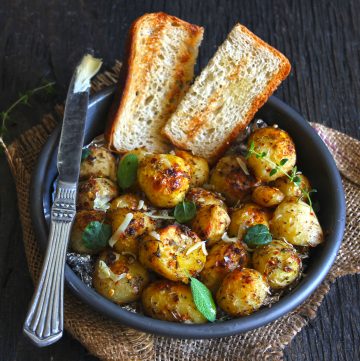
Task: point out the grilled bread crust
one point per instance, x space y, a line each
158 70
224 98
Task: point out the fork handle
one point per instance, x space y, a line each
44 321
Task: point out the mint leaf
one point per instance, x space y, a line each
203 299
96 234
185 211
127 171
257 235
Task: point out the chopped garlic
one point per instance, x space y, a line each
155 235
195 246
140 205
226 238
121 229
242 165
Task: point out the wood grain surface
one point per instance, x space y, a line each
44 39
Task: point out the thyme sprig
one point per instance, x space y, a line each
293 175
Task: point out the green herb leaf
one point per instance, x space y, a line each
127 171
85 153
250 150
257 235
297 180
283 161
203 299
96 234
273 171
185 211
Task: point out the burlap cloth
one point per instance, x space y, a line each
109 340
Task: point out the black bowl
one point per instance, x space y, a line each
314 160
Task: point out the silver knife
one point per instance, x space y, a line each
44 321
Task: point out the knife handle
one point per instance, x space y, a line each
44 321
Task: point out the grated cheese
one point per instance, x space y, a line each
243 166
155 235
121 229
203 247
106 272
226 238
101 203
158 216
195 246
140 205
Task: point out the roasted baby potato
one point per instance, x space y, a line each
222 259
289 188
248 215
296 222
231 178
175 252
199 167
120 278
96 193
82 220
279 262
277 145
128 240
267 196
210 223
128 200
170 301
164 178
202 197
242 292
99 163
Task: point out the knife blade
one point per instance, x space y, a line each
44 321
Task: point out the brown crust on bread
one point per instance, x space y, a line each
127 70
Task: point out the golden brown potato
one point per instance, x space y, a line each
199 167
279 262
210 223
128 240
170 301
120 278
164 178
267 196
297 223
202 197
99 163
222 259
242 292
229 178
289 188
278 145
248 215
174 252
96 193
82 220
128 200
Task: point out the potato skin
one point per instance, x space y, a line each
242 292
170 301
128 200
222 259
297 223
248 215
164 178
167 256
289 188
82 219
100 163
128 241
278 145
267 196
125 290
202 197
279 262
95 191
210 223
229 179
199 167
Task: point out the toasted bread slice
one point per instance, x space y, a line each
224 98
159 69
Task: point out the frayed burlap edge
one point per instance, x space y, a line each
109 340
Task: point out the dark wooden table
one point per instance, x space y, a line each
44 39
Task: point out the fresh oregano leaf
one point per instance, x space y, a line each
127 171
273 171
185 211
297 181
257 235
96 235
250 150
85 153
283 161
203 299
